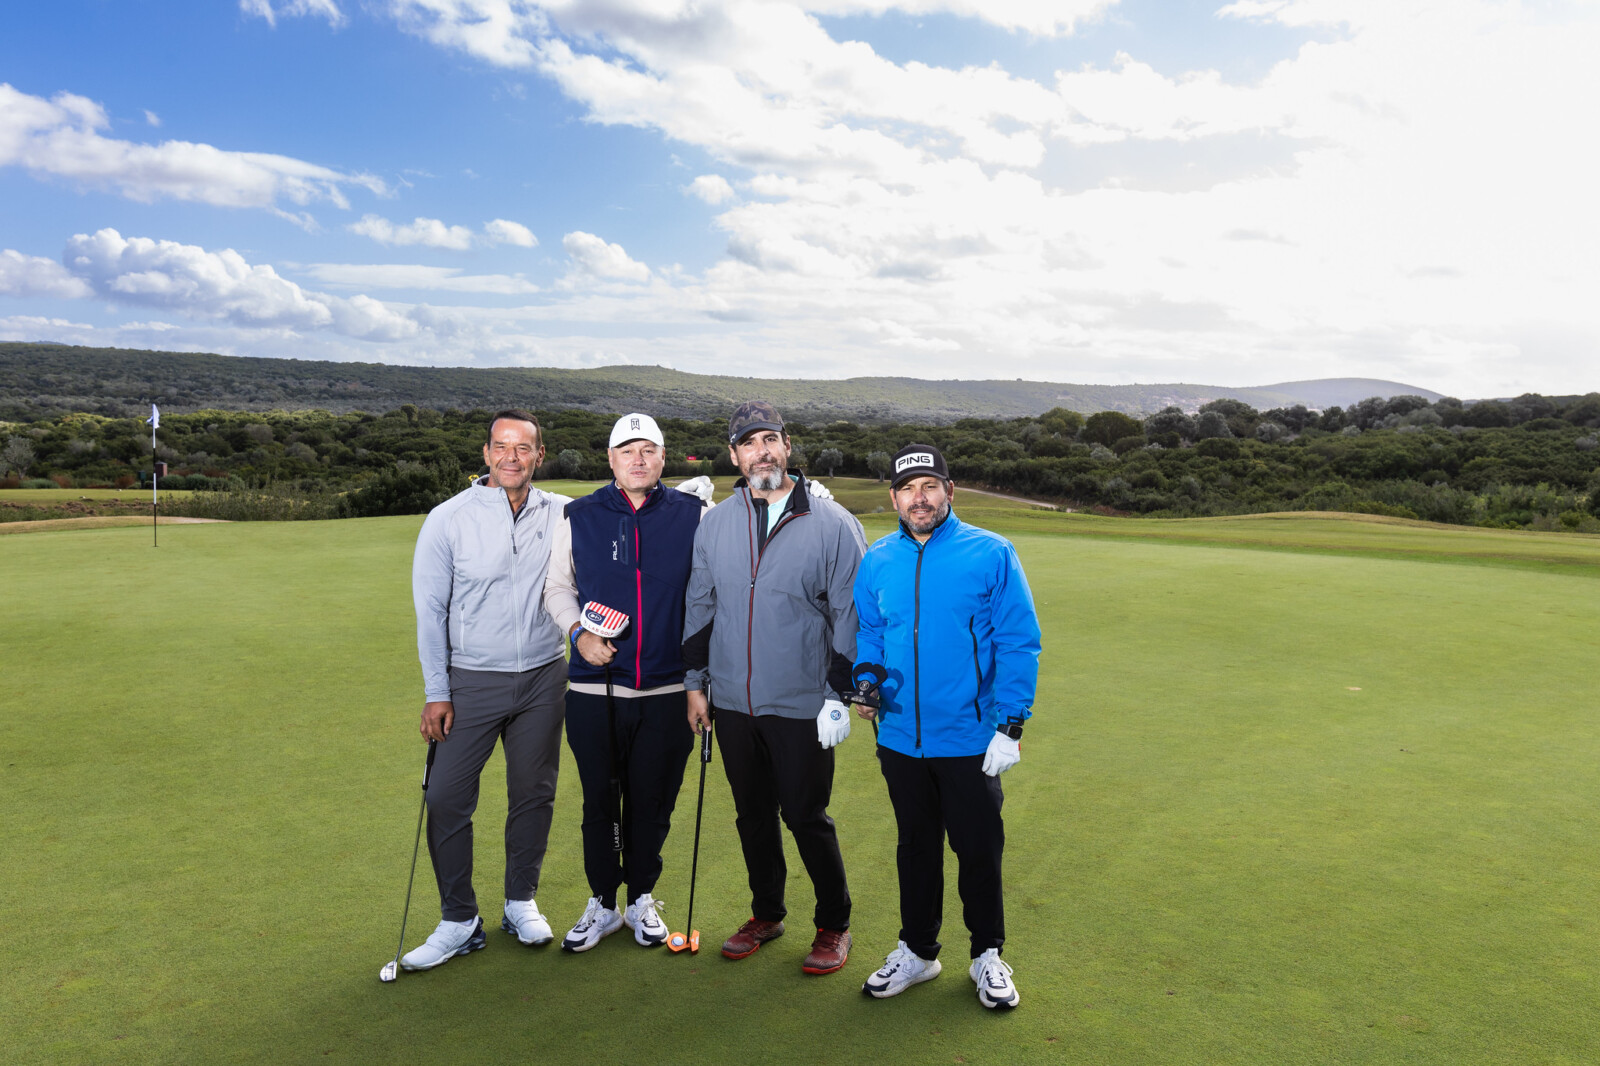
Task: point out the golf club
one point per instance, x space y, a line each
391 969
605 623
678 941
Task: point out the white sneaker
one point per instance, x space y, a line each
448 941
993 977
523 918
648 928
598 921
899 972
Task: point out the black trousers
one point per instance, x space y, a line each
653 744
522 712
776 767
931 797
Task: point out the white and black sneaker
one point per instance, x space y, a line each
900 971
598 922
993 978
523 920
448 940
648 928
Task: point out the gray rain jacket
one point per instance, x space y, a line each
773 629
477 580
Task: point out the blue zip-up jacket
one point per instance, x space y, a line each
952 622
636 562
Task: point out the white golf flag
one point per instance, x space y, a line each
155 417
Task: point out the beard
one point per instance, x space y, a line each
771 482
928 523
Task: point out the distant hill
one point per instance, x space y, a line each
41 380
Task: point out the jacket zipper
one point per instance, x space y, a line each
977 670
750 613
916 649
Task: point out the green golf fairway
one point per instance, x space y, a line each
1333 802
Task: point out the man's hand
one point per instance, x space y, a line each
818 490
833 723
863 711
699 712
1003 754
596 651
437 717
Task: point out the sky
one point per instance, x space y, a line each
1088 191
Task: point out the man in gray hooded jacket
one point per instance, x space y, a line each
492 670
770 629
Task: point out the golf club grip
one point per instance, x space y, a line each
705 745
427 769
616 815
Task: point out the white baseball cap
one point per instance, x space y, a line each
636 427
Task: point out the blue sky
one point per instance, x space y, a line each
1073 190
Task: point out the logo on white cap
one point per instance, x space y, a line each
906 462
636 427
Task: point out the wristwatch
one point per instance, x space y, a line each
1010 729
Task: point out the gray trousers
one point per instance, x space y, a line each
524 712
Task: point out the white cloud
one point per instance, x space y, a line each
432 233
264 9
221 285
501 231
499 32
61 138
712 188
408 276
428 232
32 275
151 118
592 255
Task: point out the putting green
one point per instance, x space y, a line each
1276 806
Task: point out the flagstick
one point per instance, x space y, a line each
155 498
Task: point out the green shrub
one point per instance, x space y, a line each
39 483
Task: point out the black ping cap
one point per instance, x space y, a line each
918 460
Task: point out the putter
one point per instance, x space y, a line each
868 676
391 970
605 623
678 941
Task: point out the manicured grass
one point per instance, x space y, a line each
1277 806
41 497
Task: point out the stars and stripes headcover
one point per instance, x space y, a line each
603 621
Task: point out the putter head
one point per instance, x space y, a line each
604 622
694 941
677 942
389 972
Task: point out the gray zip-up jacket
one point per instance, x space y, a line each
478 580
773 627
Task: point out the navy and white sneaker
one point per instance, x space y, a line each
448 940
902 969
598 922
648 928
522 919
993 978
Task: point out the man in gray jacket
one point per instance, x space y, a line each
492 669
770 630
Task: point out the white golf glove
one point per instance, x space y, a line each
818 490
833 724
699 486
1003 754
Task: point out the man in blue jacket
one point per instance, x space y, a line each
491 672
628 546
946 615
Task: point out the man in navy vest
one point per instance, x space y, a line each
628 546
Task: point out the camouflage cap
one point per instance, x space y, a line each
751 416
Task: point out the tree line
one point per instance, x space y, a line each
1527 463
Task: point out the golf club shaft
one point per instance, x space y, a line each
616 776
427 772
699 806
